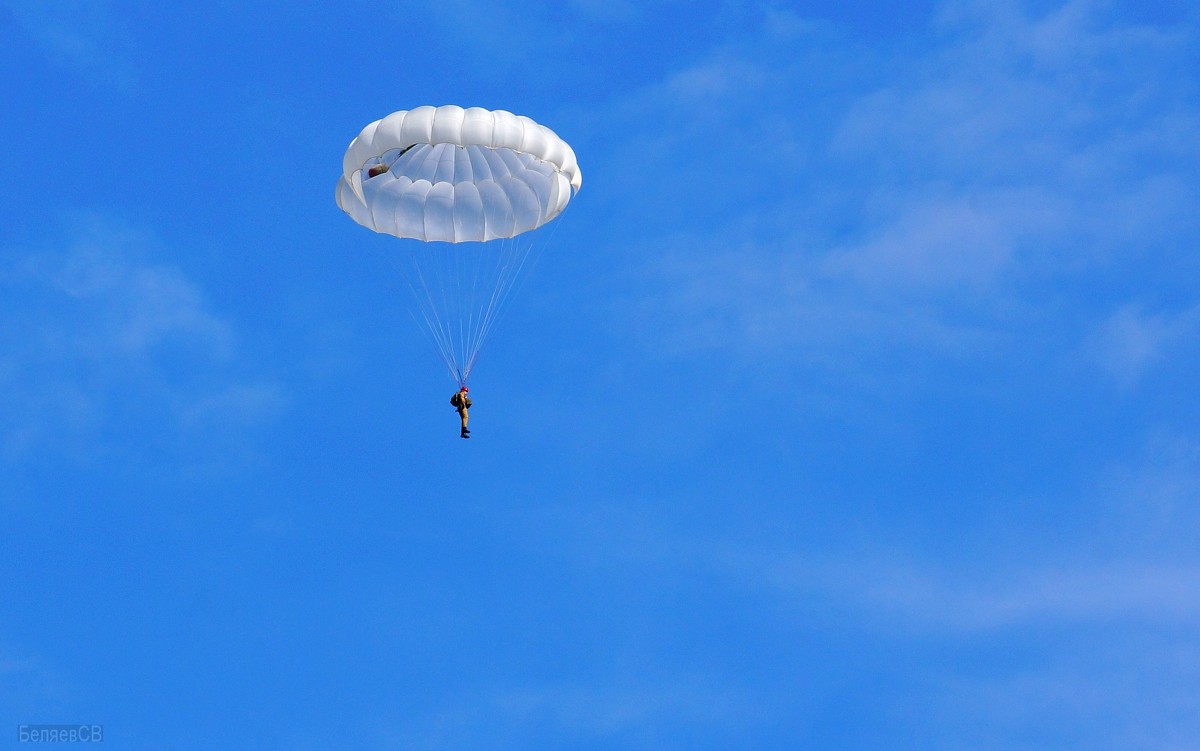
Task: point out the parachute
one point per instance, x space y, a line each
460 186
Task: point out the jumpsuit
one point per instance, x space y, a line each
462 403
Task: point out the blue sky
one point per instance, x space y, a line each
852 404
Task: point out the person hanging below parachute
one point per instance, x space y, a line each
461 403
460 185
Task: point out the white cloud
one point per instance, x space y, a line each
1131 342
99 340
1116 553
81 34
241 402
629 708
1151 503
908 597
607 10
1079 611
28 684
934 200
608 710
933 243
1115 694
715 79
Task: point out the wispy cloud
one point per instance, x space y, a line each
1150 502
500 36
946 195
99 340
81 34
1132 341
27 684
894 595
1116 552
1093 631
635 711
1114 694
613 710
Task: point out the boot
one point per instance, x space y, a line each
463 434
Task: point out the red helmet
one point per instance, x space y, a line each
464 388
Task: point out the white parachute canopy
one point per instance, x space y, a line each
466 177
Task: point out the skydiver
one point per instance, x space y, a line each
462 403
376 171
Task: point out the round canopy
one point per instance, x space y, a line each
454 175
